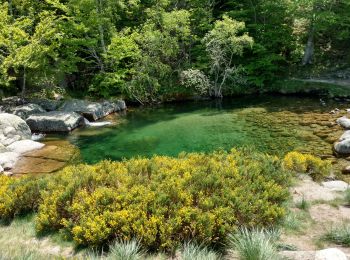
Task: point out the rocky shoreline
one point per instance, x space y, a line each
21 118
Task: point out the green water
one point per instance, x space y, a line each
271 124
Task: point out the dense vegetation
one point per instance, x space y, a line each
155 50
162 202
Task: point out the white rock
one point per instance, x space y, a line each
336 185
344 122
1 169
330 254
8 159
12 128
345 136
24 146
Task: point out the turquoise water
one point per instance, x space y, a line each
267 123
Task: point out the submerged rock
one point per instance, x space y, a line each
53 157
55 121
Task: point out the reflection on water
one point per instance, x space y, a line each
270 124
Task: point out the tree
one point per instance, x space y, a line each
224 43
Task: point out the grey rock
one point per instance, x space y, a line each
55 121
342 147
90 110
344 122
47 104
24 146
345 136
336 185
330 254
12 129
13 101
25 111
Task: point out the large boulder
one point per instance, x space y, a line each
55 121
24 146
24 111
342 147
330 254
47 104
92 110
12 129
344 122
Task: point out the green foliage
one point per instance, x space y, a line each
255 244
191 251
339 235
317 168
160 201
303 204
126 250
347 197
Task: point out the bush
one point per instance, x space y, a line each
164 201
256 244
161 201
306 163
19 196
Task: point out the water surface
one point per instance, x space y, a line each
271 124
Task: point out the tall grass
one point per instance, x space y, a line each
339 235
126 250
192 251
255 244
347 197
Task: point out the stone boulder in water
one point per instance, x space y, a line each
92 110
55 121
24 111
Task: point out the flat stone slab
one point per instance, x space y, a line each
32 165
24 146
55 121
53 157
336 185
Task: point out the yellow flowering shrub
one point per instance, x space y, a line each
307 163
18 196
161 201
164 201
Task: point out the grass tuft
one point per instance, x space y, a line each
339 235
303 204
347 197
255 244
191 251
126 250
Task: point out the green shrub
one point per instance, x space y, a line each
164 201
19 196
306 163
161 201
255 244
339 235
191 251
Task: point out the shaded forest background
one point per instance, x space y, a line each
156 50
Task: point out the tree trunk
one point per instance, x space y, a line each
100 27
10 7
309 48
24 82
